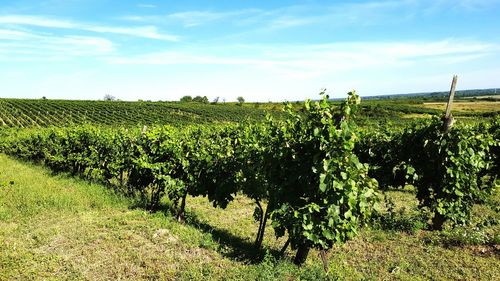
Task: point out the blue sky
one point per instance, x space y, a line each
261 50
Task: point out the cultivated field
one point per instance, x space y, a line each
381 190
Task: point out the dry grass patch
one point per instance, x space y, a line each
473 106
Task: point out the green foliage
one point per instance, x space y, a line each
149 164
323 192
382 150
108 97
186 99
447 169
201 99
483 233
398 220
448 165
319 197
494 171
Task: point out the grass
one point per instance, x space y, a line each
55 227
469 106
488 97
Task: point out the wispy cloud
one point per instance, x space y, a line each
376 12
283 17
27 46
8 34
349 50
193 18
36 21
287 22
149 32
147 6
459 5
315 60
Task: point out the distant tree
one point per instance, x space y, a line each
201 99
44 98
108 97
186 99
224 100
216 100
241 100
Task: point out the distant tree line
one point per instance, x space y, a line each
201 99
204 99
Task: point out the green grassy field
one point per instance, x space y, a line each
56 227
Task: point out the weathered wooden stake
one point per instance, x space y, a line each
438 219
448 118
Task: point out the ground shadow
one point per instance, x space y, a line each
228 245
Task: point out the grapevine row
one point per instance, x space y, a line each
450 170
307 173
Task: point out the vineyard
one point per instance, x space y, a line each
24 113
29 113
313 174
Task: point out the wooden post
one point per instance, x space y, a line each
448 118
438 219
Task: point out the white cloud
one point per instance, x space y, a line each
285 17
286 22
27 46
193 18
148 6
80 45
9 34
314 60
36 21
362 13
149 32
